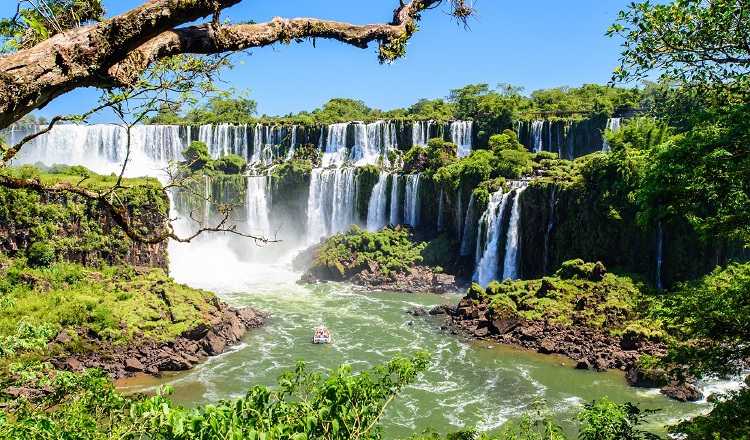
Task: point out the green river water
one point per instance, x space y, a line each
468 383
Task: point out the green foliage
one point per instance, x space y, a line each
701 176
389 249
538 424
426 110
196 155
115 303
33 25
223 109
729 419
580 293
711 319
306 405
230 164
343 110
695 43
600 100
40 254
605 420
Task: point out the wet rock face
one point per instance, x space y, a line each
684 392
225 327
418 279
592 349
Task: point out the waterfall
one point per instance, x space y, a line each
331 202
537 144
266 143
569 138
395 215
550 225
102 147
335 152
468 238
461 132
613 125
223 139
293 143
376 215
206 200
491 224
441 208
411 202
459 213
659 255
420 133
257 205
510 266
373 142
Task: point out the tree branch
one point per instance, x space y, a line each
116 51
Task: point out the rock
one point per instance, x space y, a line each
133 365
547 346
197 333
639 378
482 332
213 344
174 363
505 325
417 311
684 392
62 337
583 365
73 365
600 364
747 381
307 278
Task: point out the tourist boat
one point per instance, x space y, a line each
322 336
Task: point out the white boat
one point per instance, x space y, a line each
322 336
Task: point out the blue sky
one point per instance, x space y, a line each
534 44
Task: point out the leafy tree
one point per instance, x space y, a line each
696 43
343 110
230 164
196 155
223 109
436 109
605 420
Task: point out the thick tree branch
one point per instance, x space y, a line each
115 51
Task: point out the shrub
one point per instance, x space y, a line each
230 164
40 254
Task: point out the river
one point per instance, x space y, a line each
468 383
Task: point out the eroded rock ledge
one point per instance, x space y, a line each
225 327
590 348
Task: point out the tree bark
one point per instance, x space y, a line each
116 51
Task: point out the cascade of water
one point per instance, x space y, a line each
659 255
537 144
613 125
293 143
373 142
549 135
459 213
411 201
518 130
395 215
461 133
510 266
491 224
550 225
420 134
224 139
569 137
335 152
206 200
266 143
102 147
257 205
441 208
331 203
376 215
468 238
